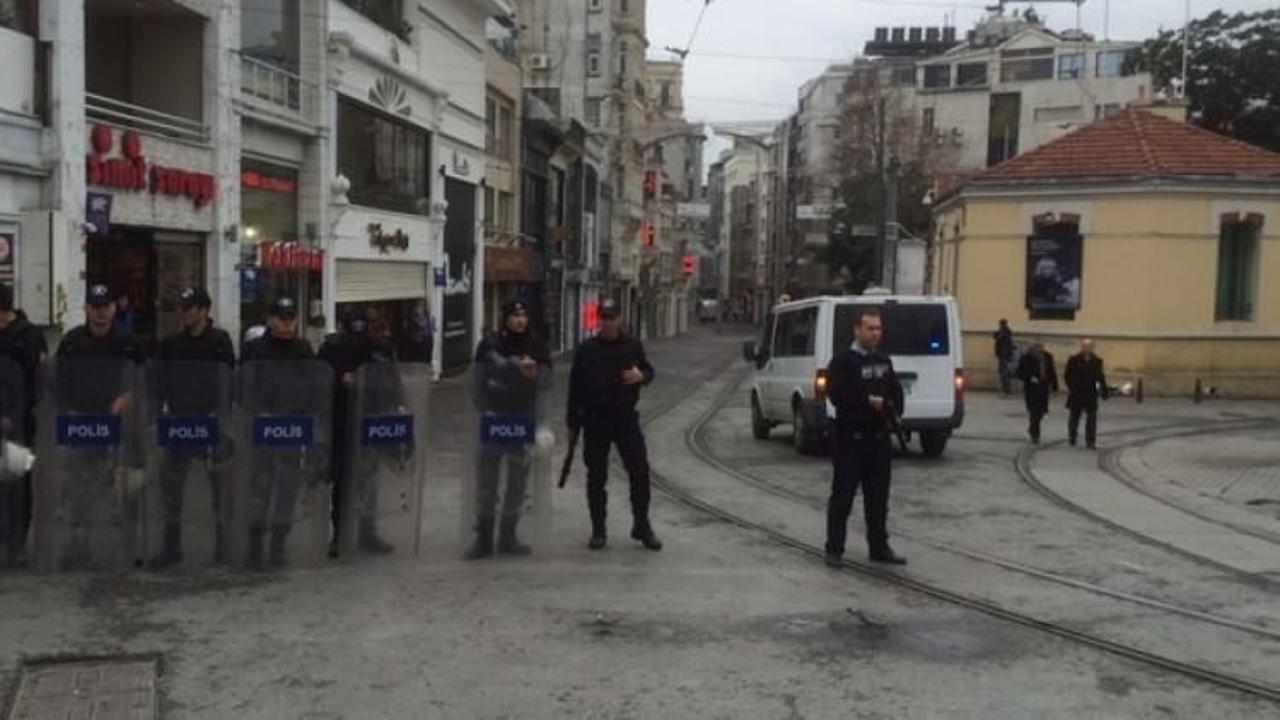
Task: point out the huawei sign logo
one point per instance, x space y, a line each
130 171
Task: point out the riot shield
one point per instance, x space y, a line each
16 459
191 449
507 492
384 459
90 476
280 500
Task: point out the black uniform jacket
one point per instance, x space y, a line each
193 374
499 384
279 390
87 379
852 377
595 381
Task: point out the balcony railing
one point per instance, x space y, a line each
119 112
277 88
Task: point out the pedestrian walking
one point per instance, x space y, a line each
604 387
1004 354
1086 383
511 368
278 473
93 378
346 352
194 375
1039 381
22 348
865 391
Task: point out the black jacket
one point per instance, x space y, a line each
94 370
499 386
1004 343
347 353
595 381
273 384
1035 391
194 371
852 377
23 345
1086 381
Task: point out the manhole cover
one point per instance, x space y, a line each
93 689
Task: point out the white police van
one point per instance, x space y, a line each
921 336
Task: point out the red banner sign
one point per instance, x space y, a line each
288 255
131 171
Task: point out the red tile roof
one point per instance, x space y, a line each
1137 144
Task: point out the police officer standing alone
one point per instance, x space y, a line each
194 375
346 352
512 366
867 396
1039 381
277 474
604 387
23 345
1086 382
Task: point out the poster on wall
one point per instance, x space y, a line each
1054 268
459 248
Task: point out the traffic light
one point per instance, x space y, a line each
650 184
648 233
689 264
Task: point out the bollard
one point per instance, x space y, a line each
1199 397
1139 395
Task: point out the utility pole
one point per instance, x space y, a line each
882 213
889 272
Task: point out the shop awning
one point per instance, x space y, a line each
370 280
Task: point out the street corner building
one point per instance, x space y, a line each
1160 239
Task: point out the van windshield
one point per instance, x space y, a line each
909 329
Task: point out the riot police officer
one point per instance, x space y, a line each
511 368
346 351
604 387
22 345
193 373
278 475
99 339
865 391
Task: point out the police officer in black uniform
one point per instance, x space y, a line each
346 351
81 391
604 387
511 368
23 345
193 376
278 473
866 393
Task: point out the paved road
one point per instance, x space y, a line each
723 623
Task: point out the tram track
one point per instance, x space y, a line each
692 437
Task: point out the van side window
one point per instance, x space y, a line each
804 331
782 334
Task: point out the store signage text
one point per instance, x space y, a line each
259 181
384 241
131 171
289 255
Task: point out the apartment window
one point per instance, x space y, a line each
499 127
625 8
622 54
19 15
664 96
927 121
1238 267
971 74
490 209
269 31
593 111
1026 65
595 5
937 76
1111 63
387 13
905 76
1071 67
593 64
386 160
505 203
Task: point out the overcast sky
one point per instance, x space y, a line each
750 56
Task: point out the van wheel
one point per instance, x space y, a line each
802 435
933 443
759 426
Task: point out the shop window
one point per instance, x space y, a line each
387 161
1071 67
971 74
1025 65
1237 267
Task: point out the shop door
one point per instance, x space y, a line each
179 264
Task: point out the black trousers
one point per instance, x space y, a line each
1037 408
602 429
863 462
1090 411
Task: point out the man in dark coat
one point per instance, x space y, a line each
1086 382
1039 381
1004 354
22 345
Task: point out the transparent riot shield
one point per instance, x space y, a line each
16 459
90 472
279 514
507 492
192 450
384 460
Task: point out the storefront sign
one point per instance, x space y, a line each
509 264
1054 264
131 171
384 241
281 255
97 212
262 181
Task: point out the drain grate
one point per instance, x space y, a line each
87 689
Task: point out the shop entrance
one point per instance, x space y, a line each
146 269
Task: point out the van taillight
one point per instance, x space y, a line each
820 385
959 383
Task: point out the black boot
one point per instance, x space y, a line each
254 560
369 540
279 534
644 533
507 541
171 550
483 547
885 555
599 536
